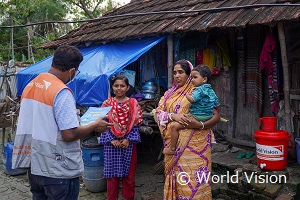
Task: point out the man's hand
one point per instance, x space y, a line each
102 125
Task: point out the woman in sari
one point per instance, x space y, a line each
185 171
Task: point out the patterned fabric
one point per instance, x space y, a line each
194 148
209 57
117 160
268 58
205 99
266 54
124 116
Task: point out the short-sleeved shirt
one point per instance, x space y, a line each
65 110
205 99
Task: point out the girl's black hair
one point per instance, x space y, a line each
120 77
184 65
203 70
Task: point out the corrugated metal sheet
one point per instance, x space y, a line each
231 13
9 84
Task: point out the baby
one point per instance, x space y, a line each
203 100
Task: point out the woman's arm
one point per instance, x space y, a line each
209 123
161 116
190 122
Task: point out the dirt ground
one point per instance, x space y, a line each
149 185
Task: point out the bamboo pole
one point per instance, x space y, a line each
170 60
286 78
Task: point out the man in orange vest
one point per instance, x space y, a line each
48 134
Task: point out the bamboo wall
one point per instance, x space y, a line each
221 86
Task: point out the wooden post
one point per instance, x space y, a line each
170 60
233 86
286 78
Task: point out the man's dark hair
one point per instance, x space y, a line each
203 70
66 57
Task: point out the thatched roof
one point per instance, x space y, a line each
143 18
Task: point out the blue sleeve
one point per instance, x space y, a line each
65 110
106 137
197 94
217 103
216 99
134 135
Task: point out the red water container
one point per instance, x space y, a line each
270 123
271 145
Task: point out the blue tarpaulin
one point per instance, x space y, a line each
90 87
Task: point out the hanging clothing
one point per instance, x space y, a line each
268 60
221 41
209 57
199 57
266 54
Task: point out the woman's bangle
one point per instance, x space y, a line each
170 116
202 125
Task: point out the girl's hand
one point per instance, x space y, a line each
116 143
124 143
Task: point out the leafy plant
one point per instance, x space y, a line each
26 40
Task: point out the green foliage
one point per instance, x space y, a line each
30 11
85 8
